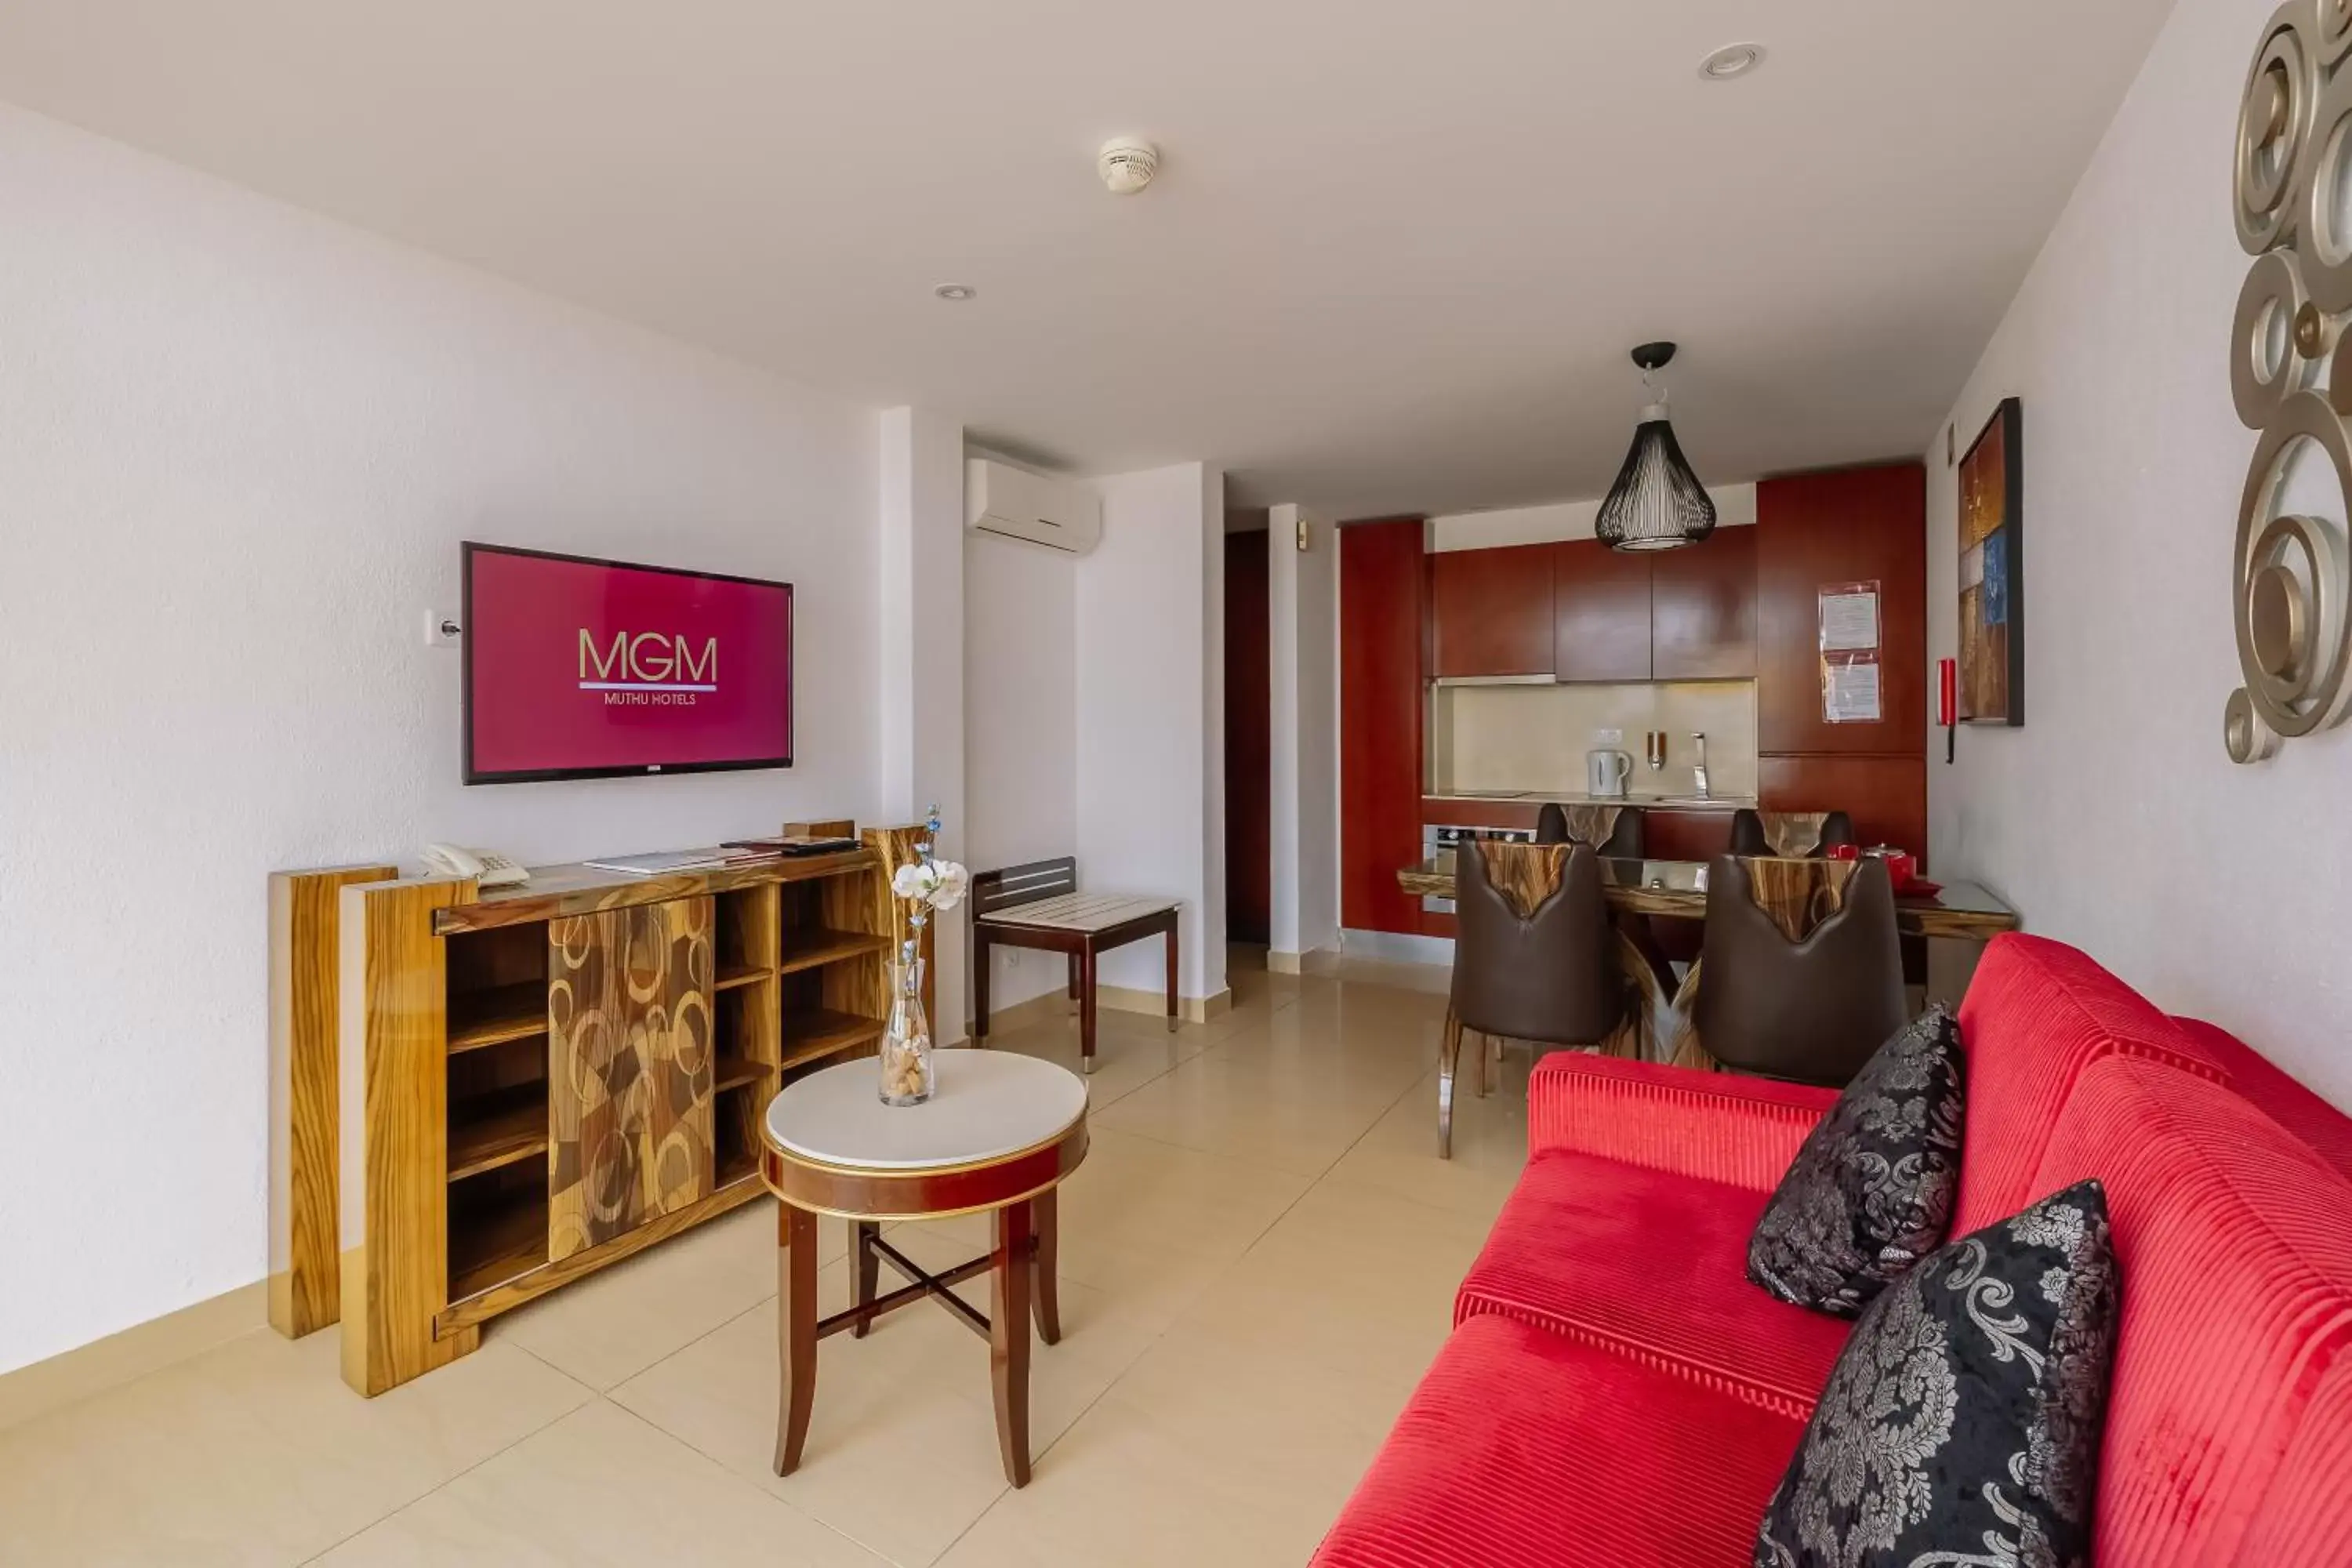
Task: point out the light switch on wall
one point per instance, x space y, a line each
1607 737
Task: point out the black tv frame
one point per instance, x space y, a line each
647 770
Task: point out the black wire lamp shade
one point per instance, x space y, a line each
1657 503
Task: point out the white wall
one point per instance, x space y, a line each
1148 641
1304 622
241 447
918 621
2113 819
1021 726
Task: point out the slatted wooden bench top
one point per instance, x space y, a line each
1080 911
1038 905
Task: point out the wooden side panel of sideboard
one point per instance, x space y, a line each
305 969
394 1085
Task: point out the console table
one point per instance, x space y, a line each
480 1096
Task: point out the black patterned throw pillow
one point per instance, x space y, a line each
1871 1192
1960 1426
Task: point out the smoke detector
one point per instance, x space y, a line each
1126 164
1731 60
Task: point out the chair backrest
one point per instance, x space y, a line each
1808 989
1025 884
1788 832
1613 830
1532 951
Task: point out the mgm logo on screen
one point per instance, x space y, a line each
647 669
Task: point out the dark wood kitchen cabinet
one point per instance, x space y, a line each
1703 609
1384 642
1818 531
1815 531
1490 611
1886 796
1601 612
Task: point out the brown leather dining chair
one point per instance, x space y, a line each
1534 956
1806 988
1620 839
1796 833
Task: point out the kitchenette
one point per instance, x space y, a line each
1499 750
1481 682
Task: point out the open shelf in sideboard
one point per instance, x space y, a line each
497 1128
816 947
498 1228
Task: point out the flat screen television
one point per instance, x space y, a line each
580 668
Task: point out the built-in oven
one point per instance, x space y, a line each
1436 840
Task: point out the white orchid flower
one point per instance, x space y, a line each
934 884
953 882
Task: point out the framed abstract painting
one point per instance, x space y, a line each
1992 605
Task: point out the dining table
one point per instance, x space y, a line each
1676 890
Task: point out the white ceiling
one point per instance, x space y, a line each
1392 262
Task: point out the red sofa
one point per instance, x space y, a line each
1616 1392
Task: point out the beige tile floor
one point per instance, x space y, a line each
1258 1259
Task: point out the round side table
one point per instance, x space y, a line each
998 1136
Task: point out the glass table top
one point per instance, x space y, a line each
1690 877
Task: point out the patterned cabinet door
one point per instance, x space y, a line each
628 1069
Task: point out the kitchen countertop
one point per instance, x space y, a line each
1543 797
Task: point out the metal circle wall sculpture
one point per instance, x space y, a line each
2291 378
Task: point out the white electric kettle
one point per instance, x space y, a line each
1605 773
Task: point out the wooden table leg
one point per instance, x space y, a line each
1073 980
1449 1057
1087 1008
795 1332
982 952
868 1266
1173 968
1044 1260
1008 1335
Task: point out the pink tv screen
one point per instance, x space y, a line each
582 669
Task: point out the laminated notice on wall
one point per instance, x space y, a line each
1849 692
1850 618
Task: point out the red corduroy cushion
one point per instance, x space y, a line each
1716 1125
1523 1449
2306 1515
2277 1094
2235 1245
2036 1015
1654 1266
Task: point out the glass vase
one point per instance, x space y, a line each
907 1074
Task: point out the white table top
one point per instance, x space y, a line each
988 1103
1080 911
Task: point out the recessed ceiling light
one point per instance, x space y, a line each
1731 60
956 293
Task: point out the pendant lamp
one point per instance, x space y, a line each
1657 503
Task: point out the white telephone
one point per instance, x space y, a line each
487 866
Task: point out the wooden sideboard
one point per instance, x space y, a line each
480 1096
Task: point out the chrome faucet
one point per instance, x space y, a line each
1698 770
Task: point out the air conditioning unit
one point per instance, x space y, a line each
1060 514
